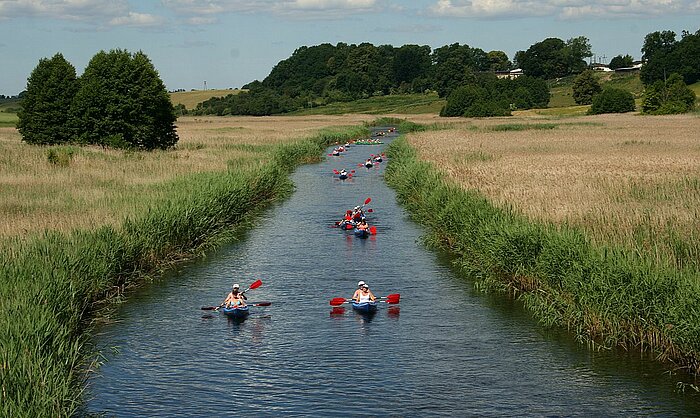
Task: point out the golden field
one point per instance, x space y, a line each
99 187
624 178
190 99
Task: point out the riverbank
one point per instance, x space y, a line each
51 283
604 293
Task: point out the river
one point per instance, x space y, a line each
445 350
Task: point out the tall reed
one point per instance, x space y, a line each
51 285
603 293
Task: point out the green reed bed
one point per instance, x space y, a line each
52 285
605 294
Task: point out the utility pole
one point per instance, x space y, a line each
205 85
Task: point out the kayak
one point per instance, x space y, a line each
361 233
378 159
239 313
346 225
365 307
342 176
369 165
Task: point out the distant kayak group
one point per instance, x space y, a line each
236 306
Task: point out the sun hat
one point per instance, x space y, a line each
236 286
360 283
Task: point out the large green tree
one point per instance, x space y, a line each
554 58
122 102
454 65
45 109
671 96
665 55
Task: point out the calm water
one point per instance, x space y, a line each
446 351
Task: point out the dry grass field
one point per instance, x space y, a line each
624 178
192 98
90 186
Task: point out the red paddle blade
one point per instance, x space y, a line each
256 284
352 171
337 301
336 172
373 230
393 299
369 199
370 210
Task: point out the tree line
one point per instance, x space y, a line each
119 101
326 73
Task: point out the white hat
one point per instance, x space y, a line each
360 283
236 286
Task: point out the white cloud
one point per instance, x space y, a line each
312 8
137 19
79 10
568 9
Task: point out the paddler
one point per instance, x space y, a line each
235 299
363 294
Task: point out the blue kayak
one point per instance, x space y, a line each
342 176
239 312
361 233
365 307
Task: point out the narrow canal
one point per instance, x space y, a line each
447 350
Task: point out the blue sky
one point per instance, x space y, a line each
231 42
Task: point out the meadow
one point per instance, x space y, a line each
62 188
624 179
591 222
121 217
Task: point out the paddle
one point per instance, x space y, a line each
373 230
392 299
216 308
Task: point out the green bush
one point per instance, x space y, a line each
60 157
612 100
669 97
585 87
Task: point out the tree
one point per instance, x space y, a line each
666 56
122 102
672 96
461 99
45 107
554 58
612 100
585 87
410 62
454 65
498 61
575 51
621 62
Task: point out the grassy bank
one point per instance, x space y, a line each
51 283
406 104
604 293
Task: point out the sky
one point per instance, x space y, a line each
228 43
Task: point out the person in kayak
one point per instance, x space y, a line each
364 295
356 295
362 225
343 173
357 214
369 163
235 299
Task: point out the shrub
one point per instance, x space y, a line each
670 97
585 87
60 157
612 100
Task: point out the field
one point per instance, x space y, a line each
562 91
89 186
191 98
406 104
624 179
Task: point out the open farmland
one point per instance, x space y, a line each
624 179
87 187
192 98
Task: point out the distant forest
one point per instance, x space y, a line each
326 73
